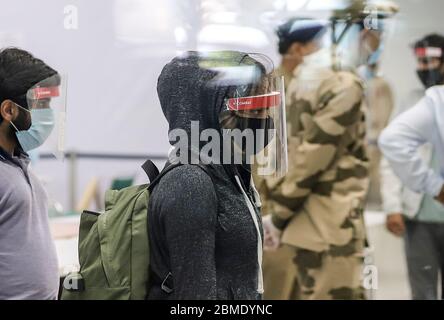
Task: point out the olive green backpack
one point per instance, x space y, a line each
113 246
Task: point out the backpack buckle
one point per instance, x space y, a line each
166 287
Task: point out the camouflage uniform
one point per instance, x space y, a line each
280 71
318 204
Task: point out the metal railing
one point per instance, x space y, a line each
73 158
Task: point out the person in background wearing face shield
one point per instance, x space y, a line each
430 56
316 210
298 38
418 217
28 261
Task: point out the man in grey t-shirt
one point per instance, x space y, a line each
28 260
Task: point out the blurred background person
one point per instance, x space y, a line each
316 210
380 104
429 53
298 37
418 217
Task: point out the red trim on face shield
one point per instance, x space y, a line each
44 92
428 52
255 102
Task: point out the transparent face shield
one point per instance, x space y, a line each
359 43
253 121
346 46
47 102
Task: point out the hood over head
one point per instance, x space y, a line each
194 86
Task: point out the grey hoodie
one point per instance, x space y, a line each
204 225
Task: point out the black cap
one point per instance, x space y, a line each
300 30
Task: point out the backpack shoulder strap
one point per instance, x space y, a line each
150 169
168 167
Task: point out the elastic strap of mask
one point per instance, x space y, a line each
14 126
21 107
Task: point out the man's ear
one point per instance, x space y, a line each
295 48
7 110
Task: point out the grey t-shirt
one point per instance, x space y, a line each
28 260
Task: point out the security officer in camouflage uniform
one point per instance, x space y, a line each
298 37
316 216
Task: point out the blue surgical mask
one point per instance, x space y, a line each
42 123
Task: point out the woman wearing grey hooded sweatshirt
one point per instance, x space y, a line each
204 220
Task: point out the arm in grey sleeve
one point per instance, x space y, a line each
400 141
